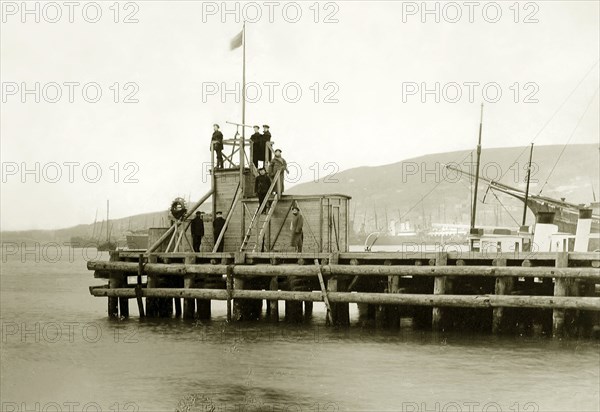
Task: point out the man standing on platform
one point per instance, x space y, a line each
217 145
296 228
218 224
265 140
258 147
278 164
197 231
261 186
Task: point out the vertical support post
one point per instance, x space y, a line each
203 306
586 318
573 317
113 283
165 308
151 303
561 288
204 309
308 309
504 286
274 304
293 309
525 315
238 304
308 304
123 302
229 285
421 315
340 312
113 303
441 286
391 318
138 287
189 305
392 312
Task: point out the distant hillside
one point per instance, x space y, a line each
397 188
417 190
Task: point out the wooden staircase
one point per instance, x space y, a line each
253 239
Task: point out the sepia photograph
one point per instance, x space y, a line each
289 206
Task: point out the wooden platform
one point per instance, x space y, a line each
503 293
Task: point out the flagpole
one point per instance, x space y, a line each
242 143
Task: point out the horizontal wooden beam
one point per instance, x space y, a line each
465 255
407 255
181 269
471 301
485 271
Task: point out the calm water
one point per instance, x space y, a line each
60 351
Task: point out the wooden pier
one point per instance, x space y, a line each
505 293
557 293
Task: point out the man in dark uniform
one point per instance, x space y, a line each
296 228
197 227
278 164
217 145
258 147
266 139
261 186
218 224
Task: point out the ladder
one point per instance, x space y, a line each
257 221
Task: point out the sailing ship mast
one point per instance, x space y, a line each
94 227
476 183
527 187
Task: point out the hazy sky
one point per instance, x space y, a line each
364 62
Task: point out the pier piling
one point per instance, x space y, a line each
504 286
274 303
189 305
561 288
441 286
114 281
340 312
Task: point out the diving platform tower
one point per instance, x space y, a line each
250 226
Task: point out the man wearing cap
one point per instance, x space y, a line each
218 224
296 228
278 164
217 145
266 138
197 227
258 147
261 186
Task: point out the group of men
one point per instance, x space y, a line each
259 145
197 228
271 166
